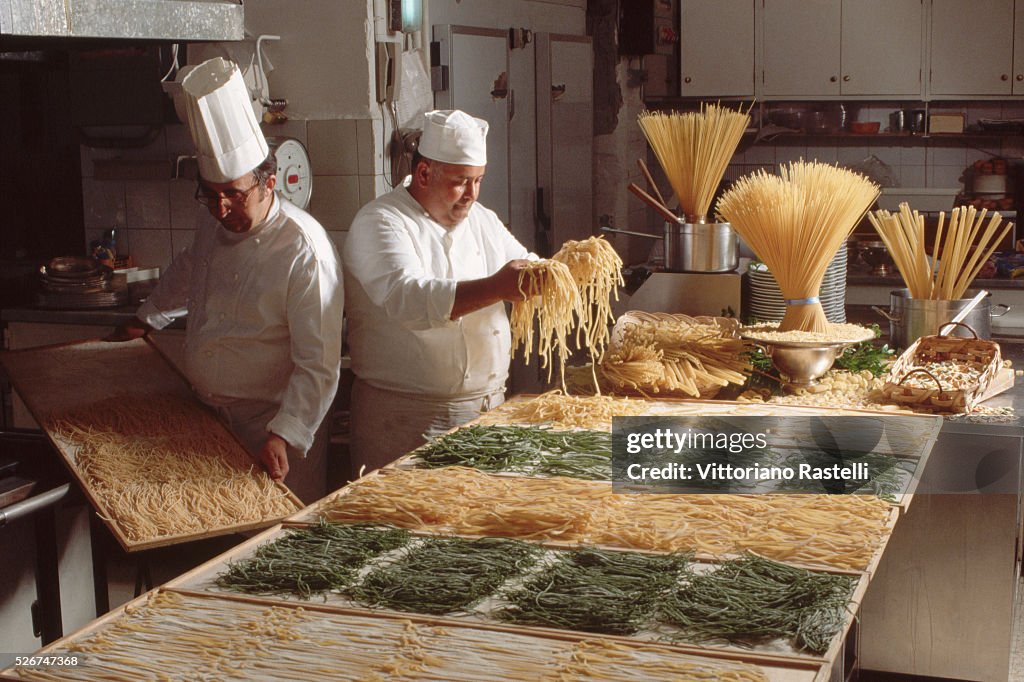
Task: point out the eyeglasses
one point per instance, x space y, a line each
233 196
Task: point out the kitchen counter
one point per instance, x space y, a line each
104 317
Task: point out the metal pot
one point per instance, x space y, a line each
700 247
911 318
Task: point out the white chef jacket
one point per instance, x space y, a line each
401 268
265 310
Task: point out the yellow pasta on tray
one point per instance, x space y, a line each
158 466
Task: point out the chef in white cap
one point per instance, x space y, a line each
262 289
427 272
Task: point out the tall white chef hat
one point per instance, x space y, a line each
453 136
228 139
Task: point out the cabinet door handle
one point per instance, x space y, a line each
846 79
1004 77
833 79
1020 76
687 79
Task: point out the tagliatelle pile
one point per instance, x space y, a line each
566 411
162 466
841 531
597 270
175 635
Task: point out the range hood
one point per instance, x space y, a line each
164 20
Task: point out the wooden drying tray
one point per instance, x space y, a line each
775 668
690 407
61 377
314 513
203 579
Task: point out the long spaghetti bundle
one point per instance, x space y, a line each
694 149
795 222
597 270
162 466
960 250
550 295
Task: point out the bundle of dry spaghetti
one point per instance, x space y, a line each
162 465
175 634
675 353
795 223
597 270
842 531
550 294
565 411
694 149
961 250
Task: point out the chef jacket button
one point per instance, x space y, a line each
257 240
466 377
492 375
495 331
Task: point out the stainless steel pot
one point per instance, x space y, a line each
695 247
911 318
700 247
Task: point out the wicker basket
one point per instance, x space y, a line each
980 354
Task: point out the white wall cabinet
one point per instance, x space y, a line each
972 47
829 48
717 48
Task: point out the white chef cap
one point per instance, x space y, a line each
453 136
228 139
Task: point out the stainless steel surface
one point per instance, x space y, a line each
123 19
690 293
700 247
33 504
911 318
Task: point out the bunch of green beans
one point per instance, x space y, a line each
445 575
752 600
308 561
889 475
523 449
595 591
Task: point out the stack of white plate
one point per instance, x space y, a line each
766 303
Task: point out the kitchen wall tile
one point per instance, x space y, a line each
155 148
913 176
333 147
823 153
335 200
151 248
885 153
295 129
787 153
103 204
947 156
338 237
945 176
185 211
762 154
367 189
370 133
852 154
912 155
147 205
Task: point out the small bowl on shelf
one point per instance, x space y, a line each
865 127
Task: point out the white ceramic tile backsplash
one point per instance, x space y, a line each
147 205
151 248
335 200
333 147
